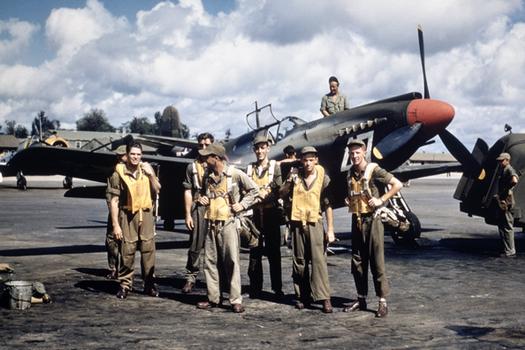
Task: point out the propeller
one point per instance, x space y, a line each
395 140
470 165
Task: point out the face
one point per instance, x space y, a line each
134 156
123 158
357 155
261 151
211 161
334 88
309 162
204 143
504 162
290 155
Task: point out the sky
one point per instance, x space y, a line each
213 59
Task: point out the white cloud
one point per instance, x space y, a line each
17 38
212 68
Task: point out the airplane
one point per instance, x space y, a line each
393 128
476 195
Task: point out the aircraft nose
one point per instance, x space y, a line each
435 115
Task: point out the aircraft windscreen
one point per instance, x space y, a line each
286 125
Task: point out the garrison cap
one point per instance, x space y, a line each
120 150
260 139
308 149
356 142
214 149
503 155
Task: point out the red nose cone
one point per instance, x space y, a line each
433 114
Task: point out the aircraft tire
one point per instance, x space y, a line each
408 237
21 183
169 224
67 183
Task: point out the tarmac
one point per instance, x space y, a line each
448 291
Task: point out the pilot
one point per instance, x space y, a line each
112 245
194 212
227 194
267 219
333 102
508 178
363 199
132 187
309 192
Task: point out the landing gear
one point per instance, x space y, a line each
67 183
409 236
169 224
407 228
21 181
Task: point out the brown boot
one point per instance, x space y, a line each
187 287
327 306
382 309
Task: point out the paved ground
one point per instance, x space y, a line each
450 291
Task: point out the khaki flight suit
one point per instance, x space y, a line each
308 239
221 247
267 218
193 182
505 218
368 238
138 233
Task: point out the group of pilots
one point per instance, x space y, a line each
226 208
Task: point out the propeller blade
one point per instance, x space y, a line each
470 165
422 55
395 140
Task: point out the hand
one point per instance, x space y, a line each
117 233
147 169
330 236
263 193
189 222
204 200
375 202
347 201
237 207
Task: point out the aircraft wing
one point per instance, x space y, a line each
154 140
408 172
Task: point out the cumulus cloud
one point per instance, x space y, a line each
213 67
17 37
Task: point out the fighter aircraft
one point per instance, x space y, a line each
393 128
477 195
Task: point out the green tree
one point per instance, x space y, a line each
21 132
141 126
42 122
10 127
94 120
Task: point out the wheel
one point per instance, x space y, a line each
67 183
413 232
169 224
21 183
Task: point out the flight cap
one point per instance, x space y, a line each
356 142
120 150
260 139
213 149
503 155
308 149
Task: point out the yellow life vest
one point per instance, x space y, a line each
139 192
306 203
359 191
219 208
198 173
266 179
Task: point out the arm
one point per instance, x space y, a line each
323 107
251 192
117 230
395 186
330 224
153 180
188 201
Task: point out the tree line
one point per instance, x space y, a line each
166 123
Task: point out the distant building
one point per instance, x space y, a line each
432 158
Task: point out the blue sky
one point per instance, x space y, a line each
213 59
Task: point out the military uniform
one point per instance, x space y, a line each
136 220
331 106
221 247
308 239
367 230
506 219
112 245
193 182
